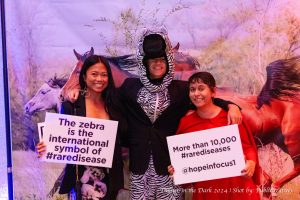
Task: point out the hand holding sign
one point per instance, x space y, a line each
206 155
78 140
249 168
40 147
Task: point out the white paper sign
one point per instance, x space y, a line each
41 130
206 155
79 140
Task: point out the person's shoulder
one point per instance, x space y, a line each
179 91
78 101
190 112
130 81
179 82
67 104
186 121
223 113
66 107
222 116
189 115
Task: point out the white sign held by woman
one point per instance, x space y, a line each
78 140
205 155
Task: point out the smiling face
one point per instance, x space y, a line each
157 67
96 78
201 94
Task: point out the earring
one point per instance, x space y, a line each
84 92
61 98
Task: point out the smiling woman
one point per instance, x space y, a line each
96 100
96 78
202 90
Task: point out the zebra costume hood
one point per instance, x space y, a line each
154 97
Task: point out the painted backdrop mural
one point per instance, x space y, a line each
235 40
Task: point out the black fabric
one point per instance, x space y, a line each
154 46
78 190
115 177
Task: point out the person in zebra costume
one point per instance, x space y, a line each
154 104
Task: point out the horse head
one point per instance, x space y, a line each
73 79
46 97
184 62
82 57
185 65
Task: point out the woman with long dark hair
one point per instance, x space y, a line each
96 100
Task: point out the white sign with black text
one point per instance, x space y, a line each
78 140
206 155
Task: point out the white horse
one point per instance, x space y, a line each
47 97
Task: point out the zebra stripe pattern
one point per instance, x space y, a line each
153 104
150 186
154 98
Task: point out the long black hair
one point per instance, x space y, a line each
283 80
109 91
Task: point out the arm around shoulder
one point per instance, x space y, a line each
234 111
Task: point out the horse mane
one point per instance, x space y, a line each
283 80
128 63
54 82
180 57
125 63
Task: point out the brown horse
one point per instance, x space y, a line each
274 115
115 63
125 66
184 62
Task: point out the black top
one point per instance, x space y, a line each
114 178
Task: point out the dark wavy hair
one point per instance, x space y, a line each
109 91
205 77
283 80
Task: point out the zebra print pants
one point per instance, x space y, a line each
150 186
